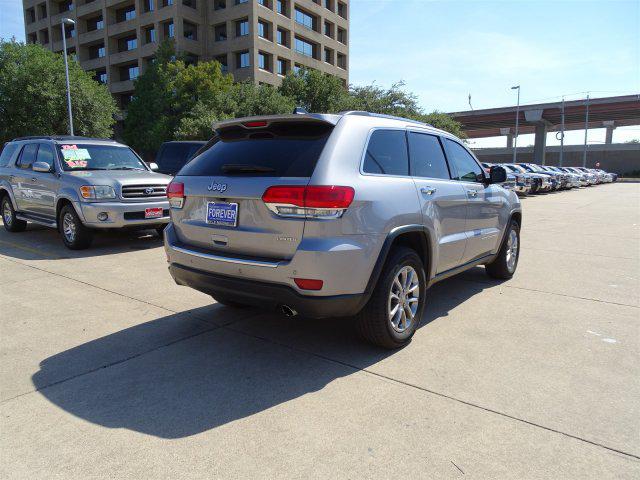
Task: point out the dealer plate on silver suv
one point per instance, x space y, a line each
222 213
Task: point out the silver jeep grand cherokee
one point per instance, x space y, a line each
354 214
78 184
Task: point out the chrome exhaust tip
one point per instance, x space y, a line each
288 311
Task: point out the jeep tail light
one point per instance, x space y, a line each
175 194
311 201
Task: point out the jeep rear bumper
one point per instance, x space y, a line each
266 295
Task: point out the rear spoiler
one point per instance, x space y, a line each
264 120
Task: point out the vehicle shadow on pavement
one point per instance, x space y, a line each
42 243
178 376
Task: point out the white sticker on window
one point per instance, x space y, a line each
75 157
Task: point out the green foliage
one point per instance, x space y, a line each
316 91
33 95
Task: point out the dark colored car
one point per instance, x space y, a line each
172 156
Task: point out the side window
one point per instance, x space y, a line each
466 168
387 153
427 157
7 153
28 156
45 154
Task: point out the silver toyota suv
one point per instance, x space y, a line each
354 214
78 184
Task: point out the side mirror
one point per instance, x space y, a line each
154 166
42 167
497 174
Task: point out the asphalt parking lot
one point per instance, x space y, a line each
110 370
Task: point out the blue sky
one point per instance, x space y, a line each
445 50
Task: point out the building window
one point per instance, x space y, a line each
222 60
220 5
264 61
190 30
242 28
342 9
342 61
189 3
125 100
168 29
69 31
328 55
239 2
220 32
281 66
263 30
328 29
265 3
126 13
32 38
305 19
243 59
65 6
44 36
127 43
100 76
95 23
147 5
342 35
96 51
282 37
281 7
328 4
304 47
42 10
130 72
167 3
30 15
149 34
297 68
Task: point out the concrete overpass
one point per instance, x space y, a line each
608 112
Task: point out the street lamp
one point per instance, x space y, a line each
67 21
515 141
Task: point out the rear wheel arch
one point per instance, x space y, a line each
415 237
62 202
5 192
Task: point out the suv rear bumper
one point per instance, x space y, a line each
267 295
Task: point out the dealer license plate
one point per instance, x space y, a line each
155 212
222 213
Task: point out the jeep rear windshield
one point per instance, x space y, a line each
98 157
283 149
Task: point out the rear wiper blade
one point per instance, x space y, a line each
245 168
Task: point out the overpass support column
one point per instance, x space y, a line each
540 145
509 141
610 126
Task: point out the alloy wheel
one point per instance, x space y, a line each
404 297
7 215
512 250
69 227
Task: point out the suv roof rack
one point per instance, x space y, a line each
383 115
60 137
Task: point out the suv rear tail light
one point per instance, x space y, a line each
311 201
175 194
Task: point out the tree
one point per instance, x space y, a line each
392 101
316 91
33 95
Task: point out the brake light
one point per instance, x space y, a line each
175 194
312 201
308 283
256 124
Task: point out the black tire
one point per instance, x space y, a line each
501 268
373 322
228 303
11 223
80 237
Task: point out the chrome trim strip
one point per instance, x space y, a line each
209 256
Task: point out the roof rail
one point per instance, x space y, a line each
383 115
59 137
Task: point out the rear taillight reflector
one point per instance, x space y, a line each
175 194
308 283
312 201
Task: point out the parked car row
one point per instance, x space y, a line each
529 178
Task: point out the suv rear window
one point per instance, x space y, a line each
280 150
173 156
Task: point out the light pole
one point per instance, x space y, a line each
515 140
67 21
562 134
586 133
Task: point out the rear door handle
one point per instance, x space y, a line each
428 190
